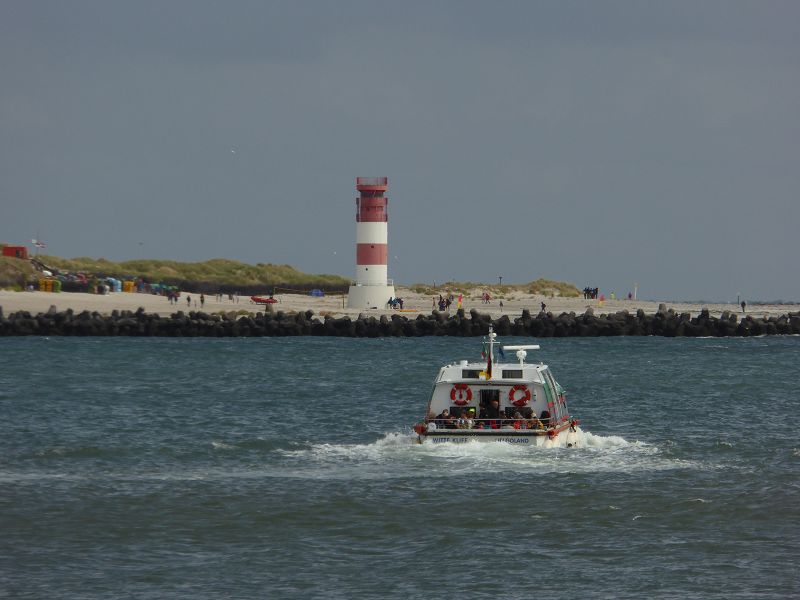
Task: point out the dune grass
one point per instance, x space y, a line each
15 273
219 270
544 287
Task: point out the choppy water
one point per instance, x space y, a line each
284 468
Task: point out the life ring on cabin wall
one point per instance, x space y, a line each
522 400
461 394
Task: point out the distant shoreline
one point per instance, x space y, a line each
297 314
413 303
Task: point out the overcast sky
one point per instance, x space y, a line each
600 143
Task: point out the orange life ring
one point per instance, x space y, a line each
522 400
464 394
552 434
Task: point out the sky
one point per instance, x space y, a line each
602 143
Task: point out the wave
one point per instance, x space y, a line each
401 451
391 455
78 452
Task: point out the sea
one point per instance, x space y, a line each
286 468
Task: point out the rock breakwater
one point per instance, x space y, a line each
665 322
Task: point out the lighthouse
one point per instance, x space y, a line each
372 288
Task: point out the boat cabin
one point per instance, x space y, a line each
495 399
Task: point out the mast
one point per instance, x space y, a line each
490 355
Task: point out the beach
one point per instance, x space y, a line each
336 305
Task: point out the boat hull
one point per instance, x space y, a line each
562 437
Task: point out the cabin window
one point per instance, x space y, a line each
512 373
470 374
488 395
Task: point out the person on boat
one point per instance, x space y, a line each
467 420
491 414
508 420
535 423
443 419
545 418
519 422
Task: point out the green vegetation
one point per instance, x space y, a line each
548 287
218 271
544 287
15 272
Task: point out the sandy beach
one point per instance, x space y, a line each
413 304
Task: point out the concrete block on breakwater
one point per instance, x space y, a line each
665 322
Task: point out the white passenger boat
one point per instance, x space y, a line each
513 402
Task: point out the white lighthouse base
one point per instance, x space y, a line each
369 296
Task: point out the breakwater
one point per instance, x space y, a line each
665 322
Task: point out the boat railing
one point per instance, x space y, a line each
497 423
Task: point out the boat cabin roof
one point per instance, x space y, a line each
474 371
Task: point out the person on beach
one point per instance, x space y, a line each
544 306
744 305
202 300
189 301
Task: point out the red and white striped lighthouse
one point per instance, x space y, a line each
372 288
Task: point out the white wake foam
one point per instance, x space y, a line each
399 454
